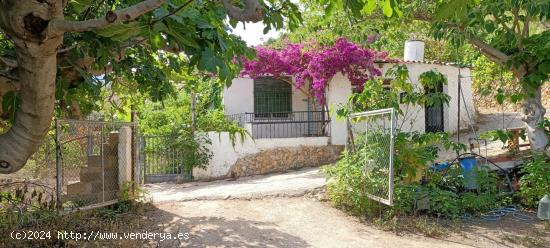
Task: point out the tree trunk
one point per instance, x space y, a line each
33 119
533 114
26 22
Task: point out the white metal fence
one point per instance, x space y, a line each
371 139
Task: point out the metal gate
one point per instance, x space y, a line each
161 160
371 136
96 162
433 117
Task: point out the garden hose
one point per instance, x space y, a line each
499 213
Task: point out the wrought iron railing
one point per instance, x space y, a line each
284 124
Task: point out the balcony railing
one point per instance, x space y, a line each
284 124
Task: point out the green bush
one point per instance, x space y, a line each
446 192
535 181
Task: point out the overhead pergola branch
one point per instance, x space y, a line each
252 11
121 15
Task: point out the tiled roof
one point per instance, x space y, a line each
435 62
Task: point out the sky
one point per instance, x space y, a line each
253 34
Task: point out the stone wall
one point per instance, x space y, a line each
285 158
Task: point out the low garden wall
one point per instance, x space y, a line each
261 156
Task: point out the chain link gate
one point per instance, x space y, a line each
371 137
96 162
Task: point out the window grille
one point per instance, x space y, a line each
272 98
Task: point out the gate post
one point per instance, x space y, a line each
142 164
124 156
58 163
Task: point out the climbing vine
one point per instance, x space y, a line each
316 64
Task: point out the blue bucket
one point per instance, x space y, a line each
468 164
437 167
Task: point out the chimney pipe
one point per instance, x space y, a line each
414 50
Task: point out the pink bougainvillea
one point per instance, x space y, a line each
317 66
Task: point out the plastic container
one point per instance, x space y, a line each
468 164
543 212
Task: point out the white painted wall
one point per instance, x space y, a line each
239 97
225 155
450 112
338 92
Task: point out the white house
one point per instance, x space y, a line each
284 121
272 108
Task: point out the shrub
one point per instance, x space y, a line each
535 181
446 192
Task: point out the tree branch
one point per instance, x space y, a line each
252 11
503 23
121 15
526 23
492 53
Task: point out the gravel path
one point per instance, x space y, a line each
294 183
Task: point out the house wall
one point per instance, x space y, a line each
450 111
228 160
340 88
239 97
337 94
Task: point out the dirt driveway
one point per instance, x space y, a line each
279 210
276 222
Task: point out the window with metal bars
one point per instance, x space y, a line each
272 98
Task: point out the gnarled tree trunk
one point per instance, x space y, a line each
533 114
26 22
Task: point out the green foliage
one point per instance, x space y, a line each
171 121
514 34
175 112
25 204
414 153
501 135
535 181
384 34
194 150
346 183
142 54
444 193
494 81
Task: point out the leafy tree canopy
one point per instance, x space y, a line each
180 35
60 53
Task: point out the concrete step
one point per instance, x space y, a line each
89 199
80 188
87 188
108 161
93 174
